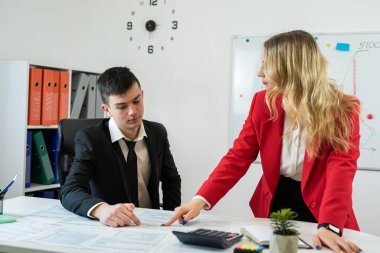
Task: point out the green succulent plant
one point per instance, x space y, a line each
282 222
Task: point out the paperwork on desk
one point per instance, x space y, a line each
261 234
55 226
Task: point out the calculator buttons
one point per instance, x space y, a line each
208 237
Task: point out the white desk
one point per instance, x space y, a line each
94 237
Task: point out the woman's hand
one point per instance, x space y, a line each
334 242
186 212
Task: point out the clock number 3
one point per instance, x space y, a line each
174 25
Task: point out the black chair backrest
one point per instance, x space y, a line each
67 128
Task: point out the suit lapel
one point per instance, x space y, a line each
308 164
275 131
119 158
271 146
152 150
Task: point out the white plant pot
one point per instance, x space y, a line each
283 244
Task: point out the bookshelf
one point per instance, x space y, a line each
39 187
14 85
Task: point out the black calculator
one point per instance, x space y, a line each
208 237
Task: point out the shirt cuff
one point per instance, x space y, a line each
92 208
207 206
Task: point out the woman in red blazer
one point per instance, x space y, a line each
307 133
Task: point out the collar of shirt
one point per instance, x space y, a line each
116 133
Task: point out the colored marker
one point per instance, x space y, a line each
259 248
2 193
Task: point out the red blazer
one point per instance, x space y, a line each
326 182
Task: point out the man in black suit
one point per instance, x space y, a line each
119 163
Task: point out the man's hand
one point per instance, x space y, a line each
118 215
334 242
186 212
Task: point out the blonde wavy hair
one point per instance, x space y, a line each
297 70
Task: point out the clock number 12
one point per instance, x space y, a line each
153 2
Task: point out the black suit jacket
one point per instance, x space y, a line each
98 172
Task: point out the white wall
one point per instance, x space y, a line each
187 87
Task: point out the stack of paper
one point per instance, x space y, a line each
261 234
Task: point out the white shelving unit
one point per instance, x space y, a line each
14 82
39 187
14 90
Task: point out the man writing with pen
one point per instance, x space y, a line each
119 163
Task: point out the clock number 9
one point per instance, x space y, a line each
174 25
153 2
150 49
129 25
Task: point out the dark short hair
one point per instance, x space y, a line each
115 81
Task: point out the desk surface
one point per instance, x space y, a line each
43 225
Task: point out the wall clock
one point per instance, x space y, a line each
151 25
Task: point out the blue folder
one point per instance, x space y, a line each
45 194
28 158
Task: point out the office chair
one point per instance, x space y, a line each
67 128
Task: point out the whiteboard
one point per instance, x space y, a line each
354 62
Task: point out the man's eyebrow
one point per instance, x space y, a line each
123 103
137 96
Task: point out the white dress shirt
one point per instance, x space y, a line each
292 155
143 162
293 152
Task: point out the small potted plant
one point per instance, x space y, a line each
285 234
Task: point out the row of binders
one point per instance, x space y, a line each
85 97
48 96
41 157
